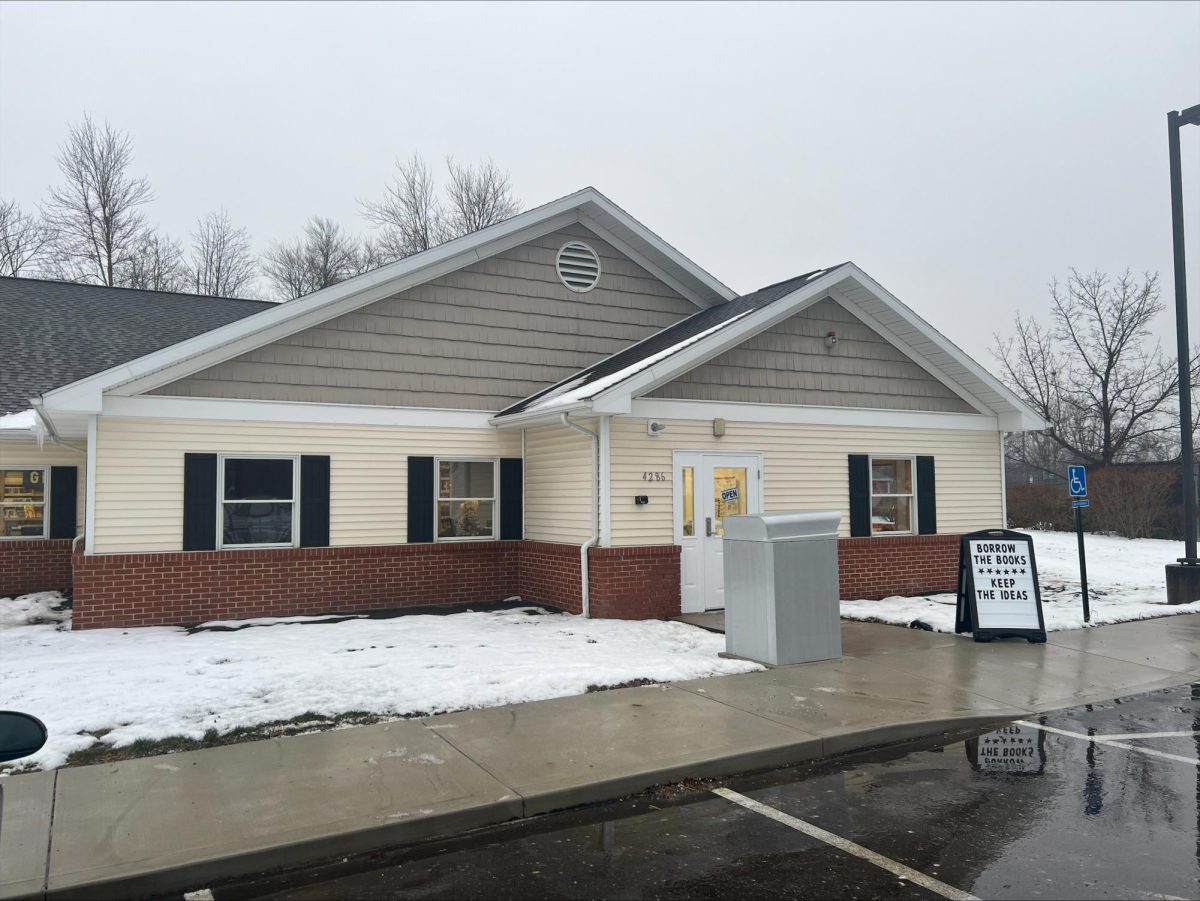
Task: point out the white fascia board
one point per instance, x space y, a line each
900 344
333 306
164 407
713 291
813 415
1028 414
179 360
701 300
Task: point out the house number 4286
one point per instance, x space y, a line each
655 477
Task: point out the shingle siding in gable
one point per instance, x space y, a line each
480 338
789 364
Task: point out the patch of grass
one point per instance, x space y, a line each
212 738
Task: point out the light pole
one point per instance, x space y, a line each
1183 578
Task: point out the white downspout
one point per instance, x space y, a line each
1003 484
591 542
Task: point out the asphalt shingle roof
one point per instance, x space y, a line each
673 336
56 333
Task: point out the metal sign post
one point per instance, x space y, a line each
1077 487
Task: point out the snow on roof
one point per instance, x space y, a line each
18 422
581 389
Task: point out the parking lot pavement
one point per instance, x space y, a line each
1101 801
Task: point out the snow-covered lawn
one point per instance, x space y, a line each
155 683
1126 581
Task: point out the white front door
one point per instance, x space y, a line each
709 487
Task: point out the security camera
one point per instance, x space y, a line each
654 427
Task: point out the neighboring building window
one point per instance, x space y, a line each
892 496
258 501
23 503
466 499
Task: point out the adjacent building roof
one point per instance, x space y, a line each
59 332
589 382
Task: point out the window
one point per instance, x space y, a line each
258 501
466 499
23 503
892 498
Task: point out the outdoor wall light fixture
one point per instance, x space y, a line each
718 428
655 427
831 340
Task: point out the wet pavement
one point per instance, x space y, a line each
1021 812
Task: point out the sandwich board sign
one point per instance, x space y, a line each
998 593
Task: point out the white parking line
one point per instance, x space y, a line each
1101 740
1129 735
842 844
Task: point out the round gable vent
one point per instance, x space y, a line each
578 266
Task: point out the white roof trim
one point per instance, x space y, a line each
1011 414
194 354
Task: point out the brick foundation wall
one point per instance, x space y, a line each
635 582
873 568
36 564
549 574
195 586
626 583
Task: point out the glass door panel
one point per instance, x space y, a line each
729 495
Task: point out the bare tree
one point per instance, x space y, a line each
324 256
1093 373
410 217
222 263
155 263
24 239
95 211
477 197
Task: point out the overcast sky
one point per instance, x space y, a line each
961 154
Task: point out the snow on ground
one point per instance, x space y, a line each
1126 581
154 683
32 609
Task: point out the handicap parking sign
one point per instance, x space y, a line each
1077 481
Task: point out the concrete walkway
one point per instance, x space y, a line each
184 820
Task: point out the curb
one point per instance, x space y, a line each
201 872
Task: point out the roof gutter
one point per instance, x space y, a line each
51 431
527 418
585 595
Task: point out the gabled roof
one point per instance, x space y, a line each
589 382
56 333
610 385
588 207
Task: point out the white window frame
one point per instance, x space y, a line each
45 471
221 458
912 498
437 496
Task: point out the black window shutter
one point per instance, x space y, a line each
420 499
64 488
314 501
860 495
926 497
511 526
199 502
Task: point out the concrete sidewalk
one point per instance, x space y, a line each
184 820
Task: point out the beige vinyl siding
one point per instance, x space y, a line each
139 473
20 452
804 468
482 337
790 364
558 484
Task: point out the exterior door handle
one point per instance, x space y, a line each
708 526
